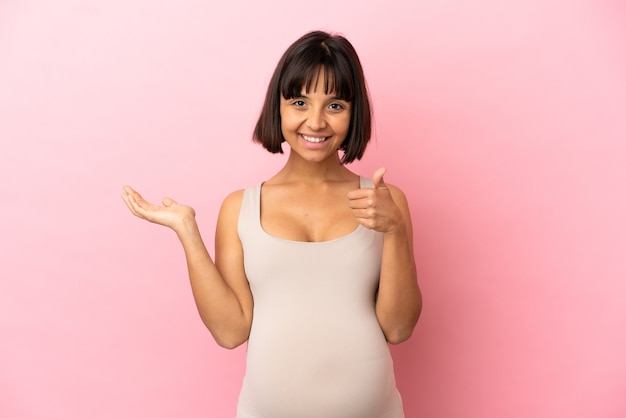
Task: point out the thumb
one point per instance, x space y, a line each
377 178
167 202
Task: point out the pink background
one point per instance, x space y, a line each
503 121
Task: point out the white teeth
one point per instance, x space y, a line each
313 139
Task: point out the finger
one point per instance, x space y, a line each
361 194
356 194
362 199
377 178
167 202
362 203
132 195
362 213
137 204
129 196
128 200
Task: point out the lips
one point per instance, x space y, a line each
314 139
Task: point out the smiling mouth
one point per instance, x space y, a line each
314 139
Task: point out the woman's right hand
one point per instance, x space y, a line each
171 214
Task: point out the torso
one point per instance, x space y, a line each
315 348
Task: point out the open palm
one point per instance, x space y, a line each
171 214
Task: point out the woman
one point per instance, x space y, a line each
314 267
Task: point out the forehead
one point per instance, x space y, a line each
317 78
322 81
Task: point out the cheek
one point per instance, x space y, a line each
344 125
285 116
286 122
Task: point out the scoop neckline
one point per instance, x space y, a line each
356 230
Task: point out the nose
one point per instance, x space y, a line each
316 119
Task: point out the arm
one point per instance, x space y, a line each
399 301
222 294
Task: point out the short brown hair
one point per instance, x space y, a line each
343 75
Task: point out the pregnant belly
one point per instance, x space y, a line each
314 378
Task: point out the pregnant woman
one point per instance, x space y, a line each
314 266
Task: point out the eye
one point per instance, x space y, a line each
298 103
337 106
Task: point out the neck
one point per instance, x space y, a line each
331 169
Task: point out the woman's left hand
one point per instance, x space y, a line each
375 208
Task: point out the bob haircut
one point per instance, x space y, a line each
299 68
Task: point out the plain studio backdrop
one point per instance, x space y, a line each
503 121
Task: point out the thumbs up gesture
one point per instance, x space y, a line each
375 208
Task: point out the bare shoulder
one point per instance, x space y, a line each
398 195
233 201
229 212
400 199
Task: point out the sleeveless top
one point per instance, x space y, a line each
315 349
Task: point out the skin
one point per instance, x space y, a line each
312 198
